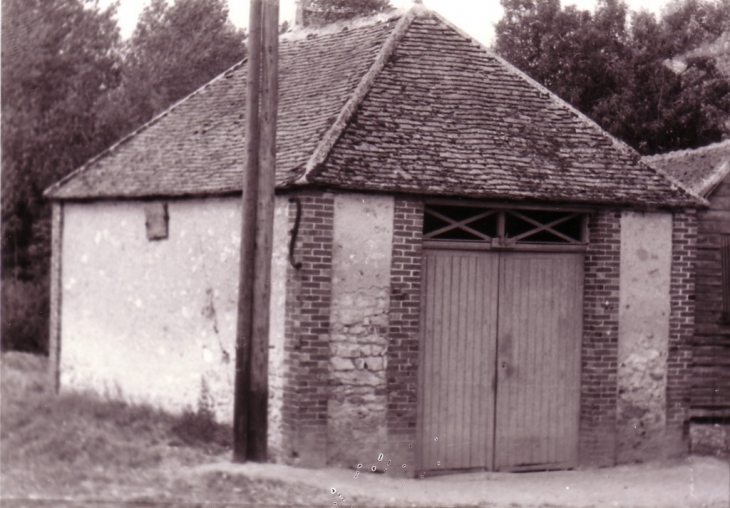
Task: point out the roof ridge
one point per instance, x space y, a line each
301 33
86 165
676 154
330 137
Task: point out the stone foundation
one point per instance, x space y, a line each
710 439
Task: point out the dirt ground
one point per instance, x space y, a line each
692 483
79 450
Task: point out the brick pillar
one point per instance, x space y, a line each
600 340
681 330
307 329
403 333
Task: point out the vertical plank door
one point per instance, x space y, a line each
538 360
456 374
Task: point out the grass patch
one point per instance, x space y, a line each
81 431
84 446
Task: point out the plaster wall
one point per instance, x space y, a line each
155 321
277 316
644 309
361 263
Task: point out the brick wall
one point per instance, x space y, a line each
681 329
307 329
597 445
403 333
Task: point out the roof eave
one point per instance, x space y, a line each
52 192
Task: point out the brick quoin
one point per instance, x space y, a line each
681 330
599 378
403 333
307 325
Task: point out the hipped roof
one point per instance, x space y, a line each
700 170
402 103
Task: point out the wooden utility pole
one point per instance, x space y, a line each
257 222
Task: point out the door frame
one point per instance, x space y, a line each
497 244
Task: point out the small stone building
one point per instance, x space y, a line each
488 280
706 172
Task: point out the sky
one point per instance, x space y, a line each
476 17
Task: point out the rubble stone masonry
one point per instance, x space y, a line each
646 261
363 236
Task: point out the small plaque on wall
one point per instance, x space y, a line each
156 220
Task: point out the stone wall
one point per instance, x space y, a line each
155 321
644 309
711 439
362 243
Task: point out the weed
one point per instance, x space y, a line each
200 429
82 446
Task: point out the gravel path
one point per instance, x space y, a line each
692 483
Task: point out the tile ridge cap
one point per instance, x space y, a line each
330 137
53 189
686 152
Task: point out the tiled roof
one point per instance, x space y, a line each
700 170
197 146
407 104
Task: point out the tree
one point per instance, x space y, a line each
70 88
323 12
616 71
59 58
175 49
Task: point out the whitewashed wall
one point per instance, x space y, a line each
155 321
646 262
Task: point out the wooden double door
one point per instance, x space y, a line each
499 375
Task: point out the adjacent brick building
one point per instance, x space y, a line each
482 278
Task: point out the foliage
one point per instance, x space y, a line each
200 428
59 58
612 65
322 12
70 88
175 49
24 315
